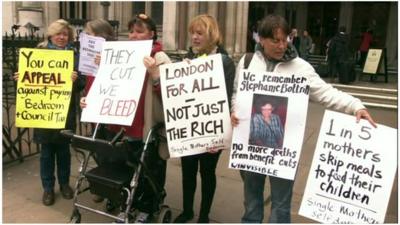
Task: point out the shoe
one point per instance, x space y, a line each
184 217
48 198
142 217
98 198
203 219
66 191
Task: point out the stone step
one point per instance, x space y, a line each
315 60
372 97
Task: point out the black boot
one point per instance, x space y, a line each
48 198
203 219
66 191
184 217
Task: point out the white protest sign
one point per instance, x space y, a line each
115 93
90 46
352 171
196 107
272 109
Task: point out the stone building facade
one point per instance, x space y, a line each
236 18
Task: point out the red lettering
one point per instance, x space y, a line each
118 107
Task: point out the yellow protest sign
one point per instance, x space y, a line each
44 88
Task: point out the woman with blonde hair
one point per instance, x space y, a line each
206 39
55 147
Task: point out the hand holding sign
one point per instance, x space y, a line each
195 106
116 90
351 174
90 48
44 87
269 121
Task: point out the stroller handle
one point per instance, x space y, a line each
158 126
118 136
67 133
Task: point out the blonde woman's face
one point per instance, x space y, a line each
199 38
60 39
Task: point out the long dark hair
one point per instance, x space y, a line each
144 20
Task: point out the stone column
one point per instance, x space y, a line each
213 9
98 10
170 31
203 8
29 13
192 12
241 28
147 8
221 18
126 16
230 25
51 14
346 15
392 36
9 18
182 17
106 6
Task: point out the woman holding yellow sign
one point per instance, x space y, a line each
55 147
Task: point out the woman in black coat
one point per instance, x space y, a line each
55 147
206 40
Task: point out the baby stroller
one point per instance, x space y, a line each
117 180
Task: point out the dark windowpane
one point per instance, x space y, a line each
157 12
138 7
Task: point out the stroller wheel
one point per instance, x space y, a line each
110 206
165 215
76 217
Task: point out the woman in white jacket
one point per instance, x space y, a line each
276 55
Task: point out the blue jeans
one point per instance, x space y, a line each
51 153
281 196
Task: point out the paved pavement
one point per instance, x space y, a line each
22 189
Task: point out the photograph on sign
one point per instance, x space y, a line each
195 103
44 87
268 121
272 109
115 93
352 173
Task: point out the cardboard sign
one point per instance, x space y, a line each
90 46
373 61
195 104
272 110
115 93
44 87
352 172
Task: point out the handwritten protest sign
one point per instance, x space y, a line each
115 93
44 87
196 107
90 46
352 172
272 109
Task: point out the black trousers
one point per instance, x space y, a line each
190 165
